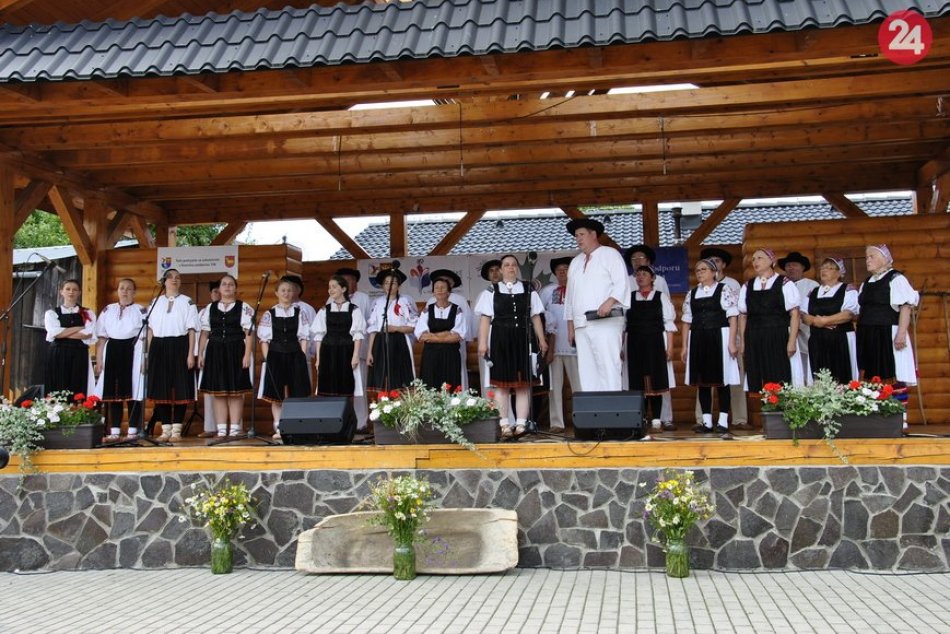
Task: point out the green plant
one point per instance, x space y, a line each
444 409
675 504
403 505
223 509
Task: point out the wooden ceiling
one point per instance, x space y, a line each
810 112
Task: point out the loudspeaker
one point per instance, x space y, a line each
608 415
318 420
32 393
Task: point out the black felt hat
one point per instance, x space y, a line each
647 251
715 252
487 265
390 272
585 223
795 256
293 279
556 262
445 274
346 270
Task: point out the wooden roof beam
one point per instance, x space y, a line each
844 205
651 222
73 225
28 200
117 227
228 233
457 232
345 240
205 83
398 235
23 93
714 220
141 232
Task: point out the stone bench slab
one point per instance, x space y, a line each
456 542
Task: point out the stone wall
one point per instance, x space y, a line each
883 518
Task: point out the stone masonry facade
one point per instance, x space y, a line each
880 518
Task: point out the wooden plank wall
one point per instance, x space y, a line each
919 244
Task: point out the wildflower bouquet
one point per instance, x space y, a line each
403 504
223 510
675 504
444 409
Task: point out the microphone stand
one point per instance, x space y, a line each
139 416
5 319
385 333
252 431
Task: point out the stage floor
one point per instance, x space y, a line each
928 445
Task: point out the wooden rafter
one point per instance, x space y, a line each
141 232
73 225
345 240
229 233
844 205
398 235
28 200
651 222
457 232
117 227
709 224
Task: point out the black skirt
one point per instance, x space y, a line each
285 373
169 379
400 363
705 357
223 374
510 358
335 377
828 349
117 373
766 356
876 352
646 361
67 367
441 363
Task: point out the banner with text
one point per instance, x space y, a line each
197 260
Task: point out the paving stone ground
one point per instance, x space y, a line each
523 600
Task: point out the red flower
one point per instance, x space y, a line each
446 386
773 400
886 392
394 394
772 387
490 393
854 385
875 379
79 397
458 389
26 403
89 403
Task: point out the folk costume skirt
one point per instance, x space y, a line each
284 375
335 376
441 363
169 379
647 367
67 367
397 355
223 373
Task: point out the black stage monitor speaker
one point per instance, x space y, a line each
608 415
318 420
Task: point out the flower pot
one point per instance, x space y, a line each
479 431
852 426
222 556
404 562
677 559
84 436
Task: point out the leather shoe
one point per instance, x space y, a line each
668 425
719 429
207 434
702 429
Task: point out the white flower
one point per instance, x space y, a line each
374 415
54 417
676 519
384 398
860 400
397 404
866 391
875 394
455 401
470 402
662 523
874 407
387 409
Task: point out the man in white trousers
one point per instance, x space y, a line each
598 291
562 356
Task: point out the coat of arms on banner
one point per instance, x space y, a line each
166 263
229 261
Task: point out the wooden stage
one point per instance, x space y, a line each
673 451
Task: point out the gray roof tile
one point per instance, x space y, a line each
547 233
424 28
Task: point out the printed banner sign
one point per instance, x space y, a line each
196 260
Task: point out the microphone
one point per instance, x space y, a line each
267 274
49 262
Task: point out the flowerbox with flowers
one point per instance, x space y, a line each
420 414
827 409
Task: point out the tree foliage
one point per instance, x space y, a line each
44 229
197 235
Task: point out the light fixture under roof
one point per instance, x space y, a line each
629 90
384 105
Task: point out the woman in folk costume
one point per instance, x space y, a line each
768 325
171 343
710 315
338 333
285 337
390 327
225 356
829 309
70 330
441 326
509 332
119 351
650 327
468 316
886 300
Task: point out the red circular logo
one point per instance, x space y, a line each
905 37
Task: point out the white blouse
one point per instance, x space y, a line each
402 312
51 322
265 332
120 322
789 291
247 315
486 301
173 318
850 297
901 290
728 300
461 321
318 329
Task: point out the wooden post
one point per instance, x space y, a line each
7 213
94 281
398 236
651 223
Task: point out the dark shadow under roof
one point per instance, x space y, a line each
369 32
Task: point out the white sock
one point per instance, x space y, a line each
133 431
521 421
235 429
723 420
707 420
114 431
222 430
655 423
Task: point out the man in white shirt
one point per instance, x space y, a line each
598 290
739 409
794 265
362 301
562 356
